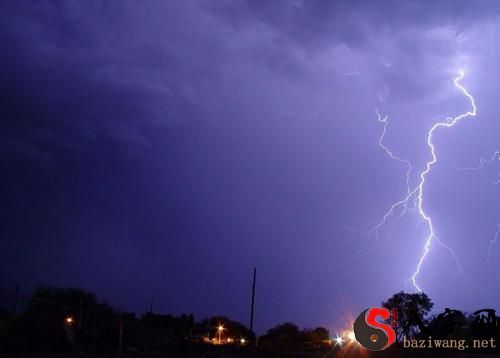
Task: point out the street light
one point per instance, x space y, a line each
339 340
68 320
219 330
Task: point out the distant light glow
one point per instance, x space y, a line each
351 336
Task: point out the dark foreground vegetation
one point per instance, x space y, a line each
73 323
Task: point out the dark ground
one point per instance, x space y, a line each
209 352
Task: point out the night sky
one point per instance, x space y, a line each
162 149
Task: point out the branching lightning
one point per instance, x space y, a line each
448 123
417 193
385 121
493 243
482 164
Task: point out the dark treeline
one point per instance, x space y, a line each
72 322
414 321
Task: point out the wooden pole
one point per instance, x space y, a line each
253 298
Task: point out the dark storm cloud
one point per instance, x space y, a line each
79 72
365 27
318 23
82 71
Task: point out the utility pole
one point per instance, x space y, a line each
253 298
151 306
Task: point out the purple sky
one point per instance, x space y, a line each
164 149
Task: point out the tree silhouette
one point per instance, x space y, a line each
412 309
93 324
286 340
448 323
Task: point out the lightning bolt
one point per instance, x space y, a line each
448 123
417 193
